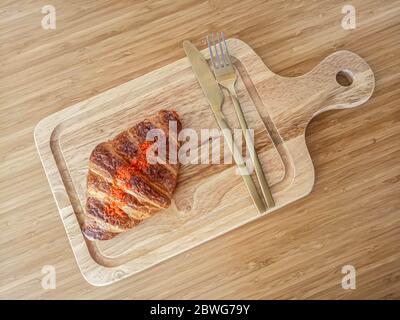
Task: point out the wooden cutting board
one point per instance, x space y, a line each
210 199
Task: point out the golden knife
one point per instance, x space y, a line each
215 98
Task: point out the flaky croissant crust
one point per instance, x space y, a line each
123 188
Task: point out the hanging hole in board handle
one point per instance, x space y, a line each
344 78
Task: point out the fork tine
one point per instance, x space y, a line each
211 52
226 48
216 50
222 51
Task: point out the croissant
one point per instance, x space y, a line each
123 188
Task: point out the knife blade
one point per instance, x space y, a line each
215 98
210 87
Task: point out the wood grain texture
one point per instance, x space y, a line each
351 216
210 200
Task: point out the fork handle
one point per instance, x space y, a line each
240 162
253 154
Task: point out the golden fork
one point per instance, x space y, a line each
226 76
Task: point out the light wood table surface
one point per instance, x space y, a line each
351 217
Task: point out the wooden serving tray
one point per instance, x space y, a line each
210 199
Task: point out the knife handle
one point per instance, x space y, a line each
240 162
253 154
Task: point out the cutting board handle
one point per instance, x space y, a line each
341 80
344 79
